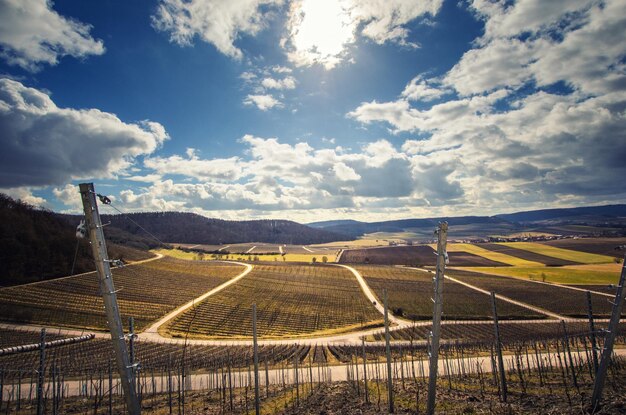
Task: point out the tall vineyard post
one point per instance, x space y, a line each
442 234
498 341
607 351
255 346
388 353
98 246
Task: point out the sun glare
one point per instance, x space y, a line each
320 31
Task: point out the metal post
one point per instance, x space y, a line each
42 370
98 246
499 347
388 352
592 329
433 364
257 406
607 351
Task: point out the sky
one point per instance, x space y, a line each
314 110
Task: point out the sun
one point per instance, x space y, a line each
319 31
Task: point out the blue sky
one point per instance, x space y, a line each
314 109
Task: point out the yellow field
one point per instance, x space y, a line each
612 267
177 253
559 275
494 256
357 243
565 254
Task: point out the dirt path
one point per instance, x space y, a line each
153 330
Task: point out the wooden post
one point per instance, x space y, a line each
109 297
388 353
503 389
367 399
592 330
442 240
42 370
257 404
607 351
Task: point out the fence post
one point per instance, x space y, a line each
42 369
388 353
592 328
607 351
496 325
367 399
257 406
442 235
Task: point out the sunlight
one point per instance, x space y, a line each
319 32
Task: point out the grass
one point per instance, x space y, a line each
308 258
564 254
558 275
494 256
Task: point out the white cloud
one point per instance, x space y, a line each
25 194
281 69
213 21
420 89
43 144
69 195
217 169
32 34
321 31
286 83
385 20
345 173
263 102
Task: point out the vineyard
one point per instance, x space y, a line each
416 256
553 298
409 294
291 300
146 292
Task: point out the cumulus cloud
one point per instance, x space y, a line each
288 82
263 102
321 31
25 194
32 34
496 136
42 144
217 22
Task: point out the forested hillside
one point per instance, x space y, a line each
195 229
37 244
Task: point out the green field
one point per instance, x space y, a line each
553 274
565 254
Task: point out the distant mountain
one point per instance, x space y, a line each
598 220
195 229
594 213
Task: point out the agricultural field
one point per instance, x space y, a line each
146 292
292 300
553 298
589 274
416 255
493 255
538 259
510 333
97 354
600 246
560 253
409 294
288 257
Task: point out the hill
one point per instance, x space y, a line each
38 244
598 220
195 229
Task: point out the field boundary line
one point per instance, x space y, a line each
510 300
220 250
158 256
372 297
552 284
251 249
152 330
307 249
